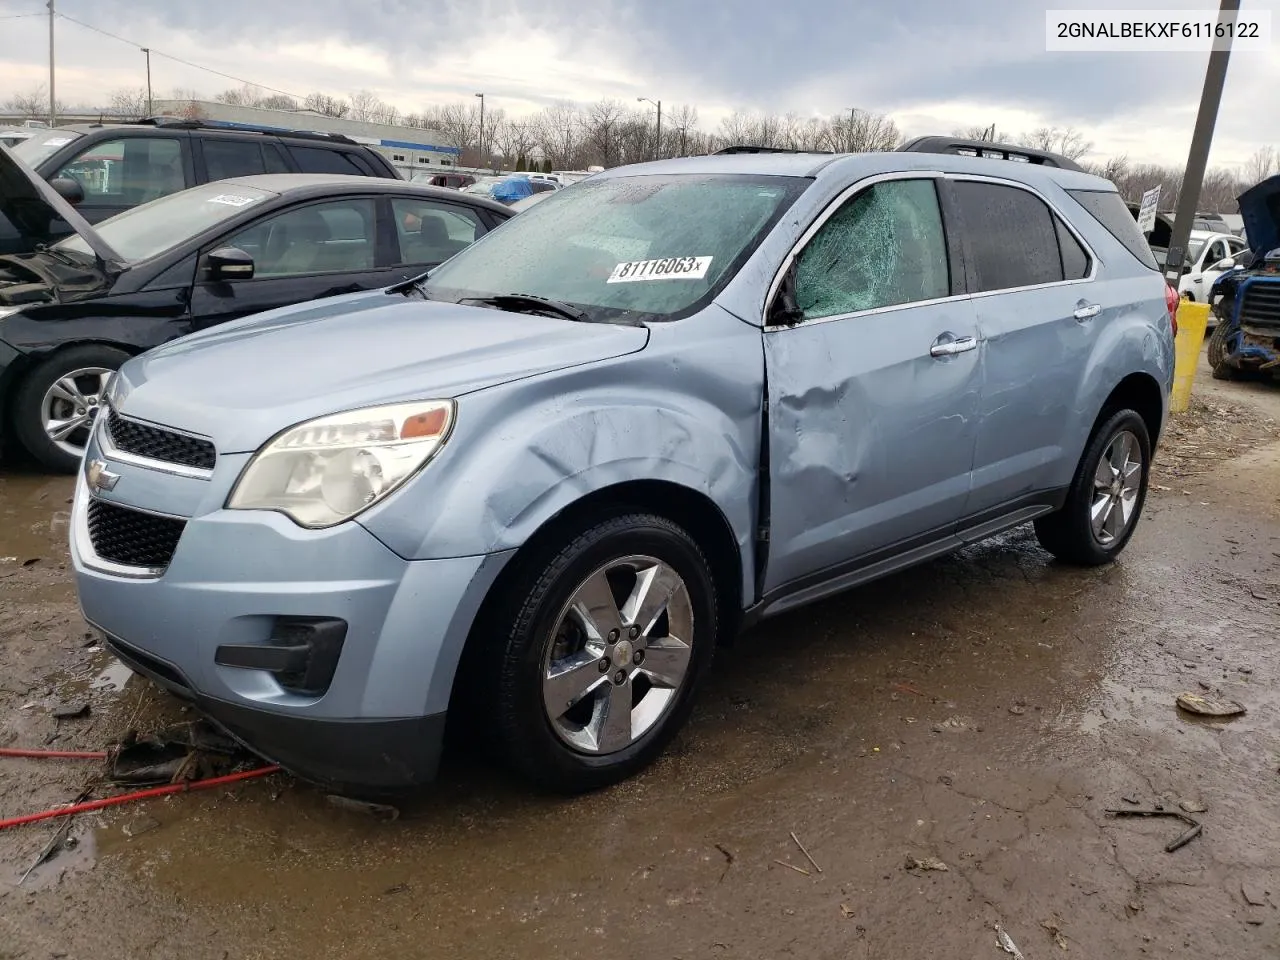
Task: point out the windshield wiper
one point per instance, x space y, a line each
59 255
523 302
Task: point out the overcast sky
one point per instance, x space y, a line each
933 65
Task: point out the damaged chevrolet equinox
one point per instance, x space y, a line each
537 487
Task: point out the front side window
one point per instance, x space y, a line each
1011 236
624 247
885 246
430 232
128 171
320 238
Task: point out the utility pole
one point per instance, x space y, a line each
480 148
1215 77
657 149
53 99
150 109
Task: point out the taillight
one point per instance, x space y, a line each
1171 304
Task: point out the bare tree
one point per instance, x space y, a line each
681 121
557 130
1261 164
30 103
364 105
277 101
129 104
990 134
324 104
1067 141
601 128
869 132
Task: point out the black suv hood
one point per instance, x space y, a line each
30 206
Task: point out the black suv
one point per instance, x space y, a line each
105 169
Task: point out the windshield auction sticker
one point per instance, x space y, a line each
668 268
231 200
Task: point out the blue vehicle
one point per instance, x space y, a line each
532 492
1246 339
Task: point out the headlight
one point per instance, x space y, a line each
325 471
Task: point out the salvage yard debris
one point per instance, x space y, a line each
925 863
1007 944
1177 842
1209 706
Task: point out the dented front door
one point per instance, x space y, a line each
872 395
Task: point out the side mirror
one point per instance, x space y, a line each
1227 263
68 189
229 263
1186 269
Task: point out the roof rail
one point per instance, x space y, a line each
182 123
986 148
749 149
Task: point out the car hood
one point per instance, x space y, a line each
243 382
1260 210
31 207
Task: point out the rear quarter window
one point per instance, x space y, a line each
1108 209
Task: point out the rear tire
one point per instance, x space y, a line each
579 642
63 393
1222 369
1106 496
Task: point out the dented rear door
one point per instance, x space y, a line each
873 394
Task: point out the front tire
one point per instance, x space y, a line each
1217 354
1106 495
603 645
57 402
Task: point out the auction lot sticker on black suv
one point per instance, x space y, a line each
668 268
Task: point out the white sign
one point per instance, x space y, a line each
667 268
1147 212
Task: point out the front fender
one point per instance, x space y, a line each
686 410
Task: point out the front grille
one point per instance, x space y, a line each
156 443
131 537
1260 304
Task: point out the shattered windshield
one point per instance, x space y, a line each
623 247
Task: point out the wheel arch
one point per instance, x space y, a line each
691 509
1141 393
24 363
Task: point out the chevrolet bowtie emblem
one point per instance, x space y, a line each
99 477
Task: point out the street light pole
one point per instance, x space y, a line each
480 148
53 100
657 149
1215 77
150 109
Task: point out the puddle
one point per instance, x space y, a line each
113 678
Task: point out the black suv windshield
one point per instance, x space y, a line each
34 150
623 247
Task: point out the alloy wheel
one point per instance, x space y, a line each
619 656
1116 484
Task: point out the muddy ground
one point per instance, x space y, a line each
983 710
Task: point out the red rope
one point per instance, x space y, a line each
54 754
164 791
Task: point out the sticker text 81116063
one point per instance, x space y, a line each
667 268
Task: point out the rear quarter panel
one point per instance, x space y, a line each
1134 336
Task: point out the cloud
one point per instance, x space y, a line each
933 65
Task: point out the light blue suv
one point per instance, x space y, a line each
539 487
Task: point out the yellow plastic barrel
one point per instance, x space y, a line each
1192 320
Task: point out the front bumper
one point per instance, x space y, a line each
235 576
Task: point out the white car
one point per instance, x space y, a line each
1206 254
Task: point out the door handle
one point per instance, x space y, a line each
950 348
1087 311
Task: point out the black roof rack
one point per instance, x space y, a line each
986 148
183 123
747 149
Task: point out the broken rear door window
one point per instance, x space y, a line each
885 246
